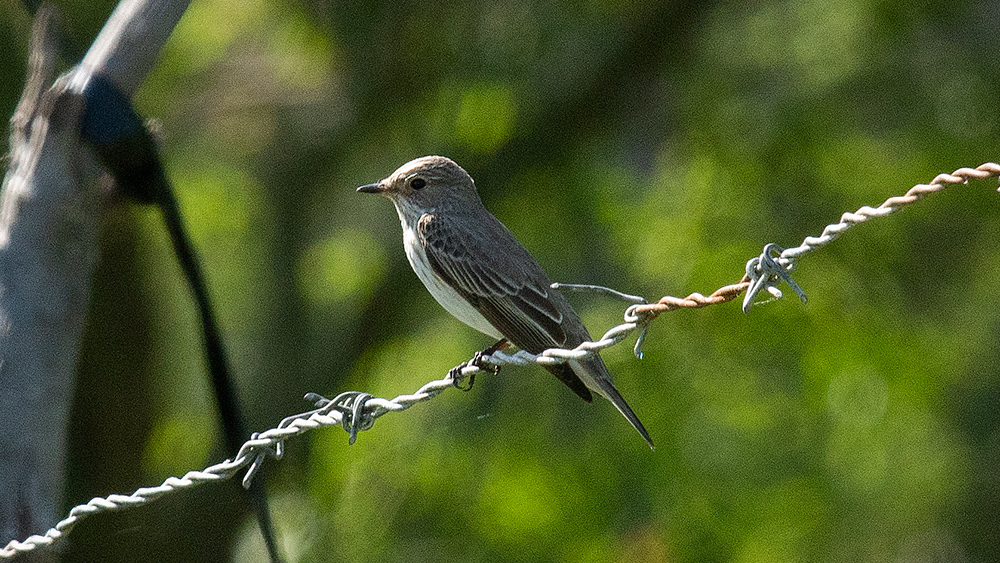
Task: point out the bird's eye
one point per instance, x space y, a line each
418 183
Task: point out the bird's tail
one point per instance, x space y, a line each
596 376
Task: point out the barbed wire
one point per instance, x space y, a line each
767 270
355 411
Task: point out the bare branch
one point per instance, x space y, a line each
130 42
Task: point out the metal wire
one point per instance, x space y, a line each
264 444
355 411
788 257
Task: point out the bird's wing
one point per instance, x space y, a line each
498 277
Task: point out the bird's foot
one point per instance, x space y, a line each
457 377
478 361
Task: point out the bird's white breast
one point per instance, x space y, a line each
442 292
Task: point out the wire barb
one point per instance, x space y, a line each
637 299
599 289
764 272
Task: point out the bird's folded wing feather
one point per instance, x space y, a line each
498 277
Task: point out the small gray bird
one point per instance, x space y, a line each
478 271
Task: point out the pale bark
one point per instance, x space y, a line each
49 215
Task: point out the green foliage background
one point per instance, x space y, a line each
649 147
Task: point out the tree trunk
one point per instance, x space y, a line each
50 209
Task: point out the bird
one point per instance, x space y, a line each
477 270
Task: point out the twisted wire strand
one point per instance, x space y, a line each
260 445
355 411
344 410
961 176
767 270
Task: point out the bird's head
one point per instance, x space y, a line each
426 183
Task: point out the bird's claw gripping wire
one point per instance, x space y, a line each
478 361
458 378
765 271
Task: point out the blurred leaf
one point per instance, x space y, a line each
343 269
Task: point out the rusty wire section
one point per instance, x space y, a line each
355 411
694 301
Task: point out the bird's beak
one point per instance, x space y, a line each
375 188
